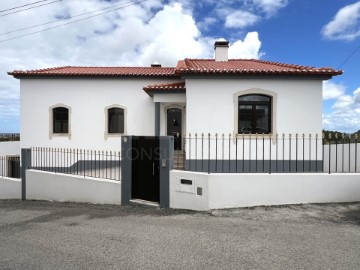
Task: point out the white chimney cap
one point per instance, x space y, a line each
156 64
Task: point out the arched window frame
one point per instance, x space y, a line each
256 91
51 121
106 110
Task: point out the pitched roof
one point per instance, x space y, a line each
249 66
70 71
178 87
187 66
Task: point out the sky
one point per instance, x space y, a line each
321 33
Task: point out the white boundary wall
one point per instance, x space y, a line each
71 188
9 149
10 188
245 190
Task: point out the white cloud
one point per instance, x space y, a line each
346 113
136 35
249 48
241 19
244 13
345 25
332 90
270 7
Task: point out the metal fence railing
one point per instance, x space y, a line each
91 163
10 167
270 153
5 137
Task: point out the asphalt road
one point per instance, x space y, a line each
46 235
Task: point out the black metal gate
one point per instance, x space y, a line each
146 168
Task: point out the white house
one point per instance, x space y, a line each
92 107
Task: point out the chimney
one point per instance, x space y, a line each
155 64
221 50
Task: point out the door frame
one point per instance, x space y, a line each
167 153
183 120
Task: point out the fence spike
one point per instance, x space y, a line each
216 135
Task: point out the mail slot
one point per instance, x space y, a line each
186 182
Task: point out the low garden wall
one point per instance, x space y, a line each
10 188
71 188
202 191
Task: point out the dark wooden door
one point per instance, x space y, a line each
14 167
174 124
145 168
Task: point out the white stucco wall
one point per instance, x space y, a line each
210 104
245 190
10 188
9 149
71 188
211 107
87 99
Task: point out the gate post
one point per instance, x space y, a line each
25 165
166 165
126 169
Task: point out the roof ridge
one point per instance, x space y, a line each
115 67
280 64
39 70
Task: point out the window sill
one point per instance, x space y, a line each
258 136
60 135
114 135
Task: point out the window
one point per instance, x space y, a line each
60 120
116 120
254 114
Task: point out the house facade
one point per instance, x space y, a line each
92 107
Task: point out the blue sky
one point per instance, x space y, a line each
307 32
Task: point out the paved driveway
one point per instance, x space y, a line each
45 235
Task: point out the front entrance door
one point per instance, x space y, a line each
145 168
174 126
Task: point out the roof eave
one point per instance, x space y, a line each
151 92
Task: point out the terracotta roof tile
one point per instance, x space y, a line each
178 87
187 66
249 66
98 72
